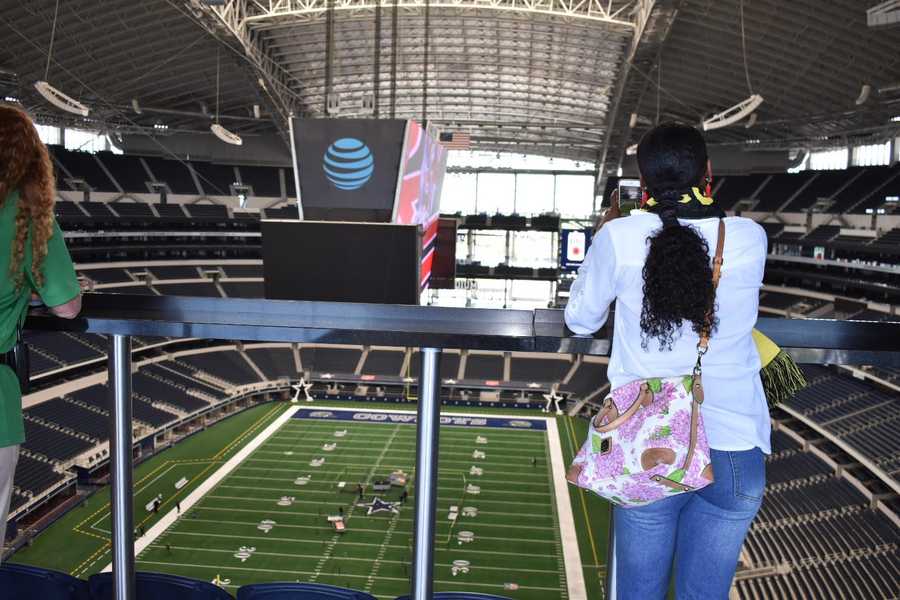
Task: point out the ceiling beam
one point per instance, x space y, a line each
228 24
603 11
653 22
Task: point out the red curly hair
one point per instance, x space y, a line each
25 166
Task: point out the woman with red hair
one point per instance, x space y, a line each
34 258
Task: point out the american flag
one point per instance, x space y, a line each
453 140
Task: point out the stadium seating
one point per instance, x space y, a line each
227 366
587 378
127 171
779 189
383 362
157 586
484 366
35 476
263 180
736 187
67 414
299 591
53 443
22 582
84 166
274 362
173 173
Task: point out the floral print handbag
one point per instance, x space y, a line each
648 441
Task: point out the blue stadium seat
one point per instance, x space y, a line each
24 581
461 596
299 591
155 586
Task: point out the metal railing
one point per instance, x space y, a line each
429 328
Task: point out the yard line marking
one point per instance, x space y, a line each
347 558
483 537
343 542
306 490
379 558
456 471
381 578
197 494
100 552
329 550
479 499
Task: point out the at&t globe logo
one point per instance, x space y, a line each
348 164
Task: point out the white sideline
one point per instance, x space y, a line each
571 554
204 488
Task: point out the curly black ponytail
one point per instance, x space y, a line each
677 273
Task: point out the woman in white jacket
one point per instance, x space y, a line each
656 265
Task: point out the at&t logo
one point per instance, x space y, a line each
348 164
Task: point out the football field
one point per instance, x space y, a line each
267 518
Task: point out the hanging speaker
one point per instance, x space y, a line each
60 100
864 94
225 135
734 114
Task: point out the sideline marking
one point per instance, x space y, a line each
201 490
571 553
571 429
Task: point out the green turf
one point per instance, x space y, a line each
78 543
517 531
591 513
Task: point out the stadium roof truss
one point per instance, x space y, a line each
518 75
580 79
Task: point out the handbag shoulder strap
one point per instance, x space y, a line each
703 344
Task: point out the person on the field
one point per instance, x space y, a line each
656 265
36 267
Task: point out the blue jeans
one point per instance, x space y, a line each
702 530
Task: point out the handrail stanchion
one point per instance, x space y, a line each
121 501
427 429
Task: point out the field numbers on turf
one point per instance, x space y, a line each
286 501
302 480
317 462
479 454
266 525
476 471
245 552
329 447
465 537
473 489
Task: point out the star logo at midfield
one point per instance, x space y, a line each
379 505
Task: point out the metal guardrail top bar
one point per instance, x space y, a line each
808 340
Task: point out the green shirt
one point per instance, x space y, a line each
60 286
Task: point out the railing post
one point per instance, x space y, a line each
121 501
611 558
427 429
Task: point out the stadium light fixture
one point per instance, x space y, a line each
895 119
60 100
631 150
734 114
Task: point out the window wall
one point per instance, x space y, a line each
482 182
